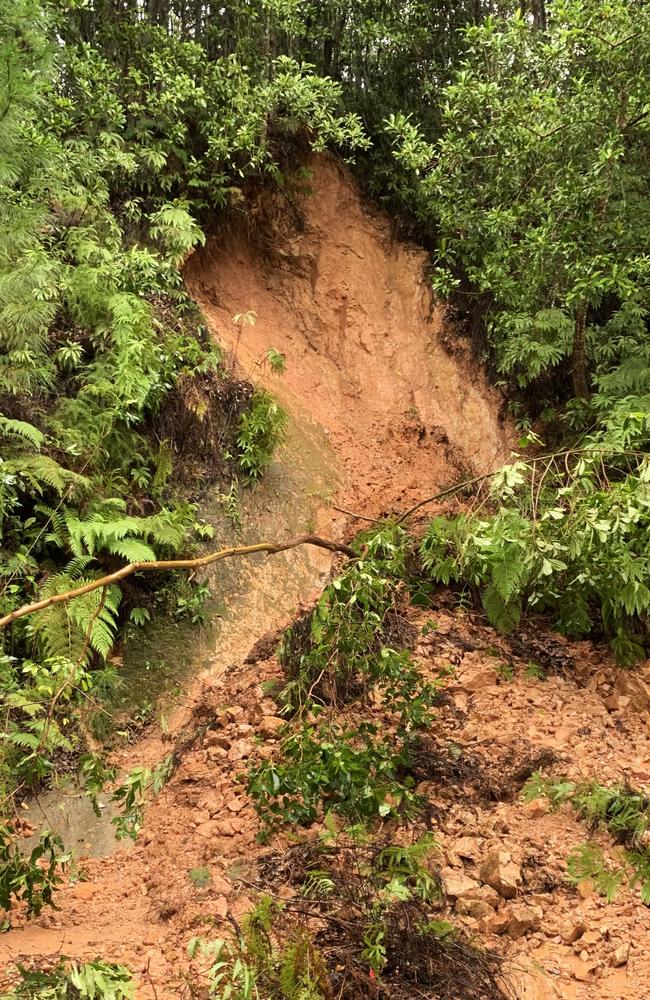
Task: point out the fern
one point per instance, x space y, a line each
62 629
40 472
318 884
587 862
130 549
22 430
503 615
164 465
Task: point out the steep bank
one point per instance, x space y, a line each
403 415
371 357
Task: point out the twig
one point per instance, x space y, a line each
242 550
360 517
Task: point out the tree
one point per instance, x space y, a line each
538 184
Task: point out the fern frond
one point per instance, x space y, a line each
503 615
21 429
131 549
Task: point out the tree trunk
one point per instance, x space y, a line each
579 358
538 10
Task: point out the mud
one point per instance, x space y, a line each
385 407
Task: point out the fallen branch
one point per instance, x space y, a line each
137 567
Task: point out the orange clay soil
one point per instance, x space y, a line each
373 361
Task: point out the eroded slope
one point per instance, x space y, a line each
370 356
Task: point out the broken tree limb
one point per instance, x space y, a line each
241 550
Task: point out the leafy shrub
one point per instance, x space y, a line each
261 429
26 878
327 767
72 981
622 811
570 538
341 653
252 966
375 926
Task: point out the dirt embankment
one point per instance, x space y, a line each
370 356
373 361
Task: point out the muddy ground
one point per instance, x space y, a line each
380 385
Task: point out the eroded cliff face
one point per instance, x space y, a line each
371 357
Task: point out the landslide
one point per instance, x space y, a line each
371 357
377 364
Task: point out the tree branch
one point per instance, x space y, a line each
158 564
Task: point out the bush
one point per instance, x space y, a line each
339 654
569 538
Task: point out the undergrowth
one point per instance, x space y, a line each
338 660
619 809
96 980
365 919
565 536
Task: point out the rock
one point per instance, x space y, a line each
208 829
572 932
635 686
193 770
234 712
580 969
620 956
476 908
591 937
457 884
497 923
501 873
224 827
239 750
519 983
217 740
221 885
478 680
235 805
467 847
220 906
270 726
585 888
487 895
523 918
537 807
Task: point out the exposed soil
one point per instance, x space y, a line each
375 363
370 355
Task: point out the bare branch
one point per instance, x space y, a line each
158 564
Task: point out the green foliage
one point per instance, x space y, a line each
346 655
252 966
132 794
326 766
261 429
200 877
587 862
537 185
348 650
40 701
569 537
190 603
619 809
72 981
31 878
